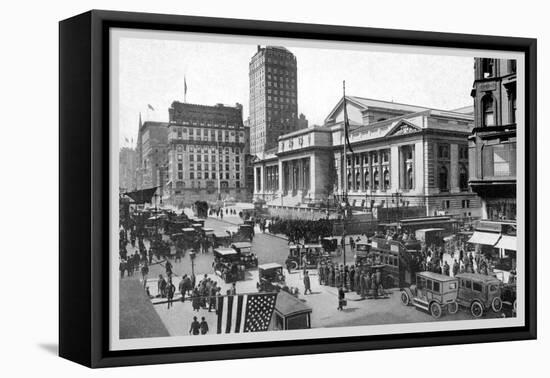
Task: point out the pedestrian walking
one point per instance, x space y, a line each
307 283
170 291
341 299
144 272
195 327
203 326
161 286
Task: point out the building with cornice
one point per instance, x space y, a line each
404 156
206 153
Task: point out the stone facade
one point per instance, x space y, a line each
493 142
206 153
152 155
403 156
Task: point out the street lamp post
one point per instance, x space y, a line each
192 255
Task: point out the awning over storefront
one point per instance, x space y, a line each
485 238
507 242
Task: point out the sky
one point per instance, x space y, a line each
151 71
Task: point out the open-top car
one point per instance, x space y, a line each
479 293
244 249
227 264
432 292
270 277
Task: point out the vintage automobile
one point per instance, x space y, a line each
244 249
227 265
311 254
221 239
270 277
479 293
330 245
432 292
246 231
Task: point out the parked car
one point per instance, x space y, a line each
270 277
432 292
479 293
244 250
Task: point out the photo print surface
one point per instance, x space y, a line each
278 189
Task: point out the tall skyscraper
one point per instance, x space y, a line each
273 97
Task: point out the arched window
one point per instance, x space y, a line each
409 179
376 180
463 177
488 108
367 180
443 177
386 179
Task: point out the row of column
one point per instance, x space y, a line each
296 175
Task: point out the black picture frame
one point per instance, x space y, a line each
84 189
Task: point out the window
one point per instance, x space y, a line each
452 286
227 175
180 166
206 175
199 175
237 176
180 175
443 178
487 67
376 180
463 177
465 204
443 151
477 286
191 157
468 284
386 179
237 184
429 285
437 287
445 204
180 157
192 175
367 180
463 152
409 178
501 160
487 106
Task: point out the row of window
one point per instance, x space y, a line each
213 158
206 149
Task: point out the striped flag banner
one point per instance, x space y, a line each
245 312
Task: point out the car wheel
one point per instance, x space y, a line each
452 308
476 309
496 304
405 299
435 310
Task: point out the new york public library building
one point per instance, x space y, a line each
404 156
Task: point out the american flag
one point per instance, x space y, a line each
245 312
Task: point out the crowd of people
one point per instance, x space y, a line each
299 230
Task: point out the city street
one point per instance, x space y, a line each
274 249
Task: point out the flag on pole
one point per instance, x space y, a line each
346 126
245 312
184 89
150 107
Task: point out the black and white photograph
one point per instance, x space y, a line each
267 189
